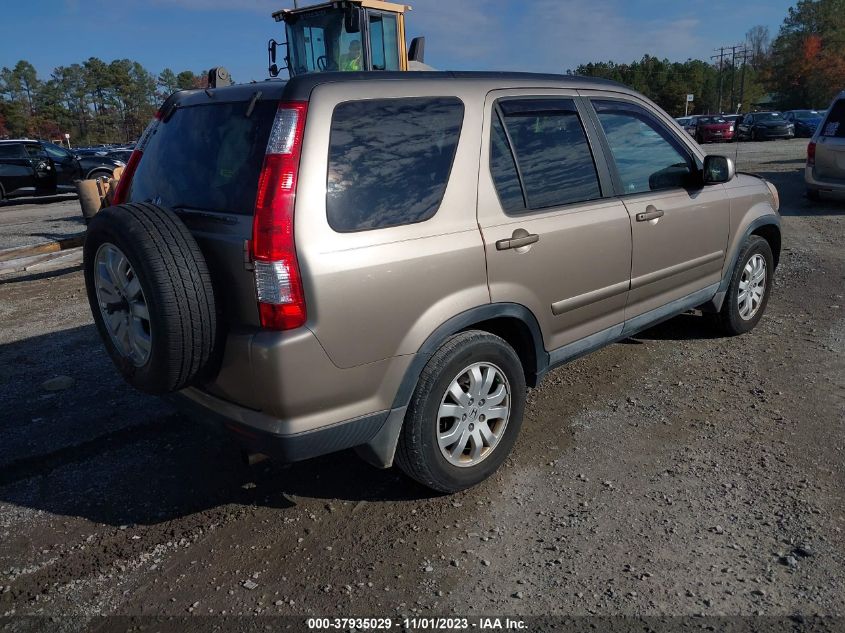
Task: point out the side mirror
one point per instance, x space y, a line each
272 68
352 20
416 52
717 170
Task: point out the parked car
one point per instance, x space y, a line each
825 171
31 167
805 121
385 261
122 155
688 123
714 128
763 126
732 118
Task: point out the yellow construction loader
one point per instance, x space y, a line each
346 35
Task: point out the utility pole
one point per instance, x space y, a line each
742 79
735 51
721 57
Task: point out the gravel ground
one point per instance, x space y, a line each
28 221
676 473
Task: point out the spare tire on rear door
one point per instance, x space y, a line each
151 296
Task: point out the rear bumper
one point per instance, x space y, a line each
834 188
259 433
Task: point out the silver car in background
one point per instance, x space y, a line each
825 172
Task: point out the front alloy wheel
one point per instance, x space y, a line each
752 287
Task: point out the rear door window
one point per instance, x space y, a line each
390 160
834 125
206 157
550 154
12 150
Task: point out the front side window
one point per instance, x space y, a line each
550 148
390 160
647 156
36 151
55 152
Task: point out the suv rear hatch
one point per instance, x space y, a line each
203 160
830 145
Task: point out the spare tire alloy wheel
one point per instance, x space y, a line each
473 415
122 303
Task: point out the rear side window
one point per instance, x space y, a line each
553 157
12 150
206 157
390 160
834 125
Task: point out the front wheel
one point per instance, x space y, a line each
465 414
749 289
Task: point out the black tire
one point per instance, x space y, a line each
173 275
754 135
418 454
729 319
814 195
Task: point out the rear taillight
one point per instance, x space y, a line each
281 300
121 191
811 154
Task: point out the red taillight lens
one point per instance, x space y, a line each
281 300
811 154
121 191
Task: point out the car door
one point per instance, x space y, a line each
745 125
43 169
679 227
830 144
555 238
67 167
16 170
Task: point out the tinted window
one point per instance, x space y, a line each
389 160
552 152
11 150
206 157
834 125
56 152
647 156
36 151
503 170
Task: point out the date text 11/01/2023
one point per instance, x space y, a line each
418 624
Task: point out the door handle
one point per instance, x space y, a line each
520 238
653 214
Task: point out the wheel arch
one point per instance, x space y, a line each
511 321
99 170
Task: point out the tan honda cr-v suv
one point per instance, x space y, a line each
385 261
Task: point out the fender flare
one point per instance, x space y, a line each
715 304
459 323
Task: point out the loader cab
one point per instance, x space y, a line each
344 35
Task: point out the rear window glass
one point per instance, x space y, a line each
390 160
834 125
206 157
552 152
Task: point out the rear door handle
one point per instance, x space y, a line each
650 215
518 241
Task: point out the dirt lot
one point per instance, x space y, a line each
675 473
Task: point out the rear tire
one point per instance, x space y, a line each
746 301
424 452
814 195
146 276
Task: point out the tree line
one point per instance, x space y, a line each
95 101
803 67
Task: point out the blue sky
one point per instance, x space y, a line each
530 35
